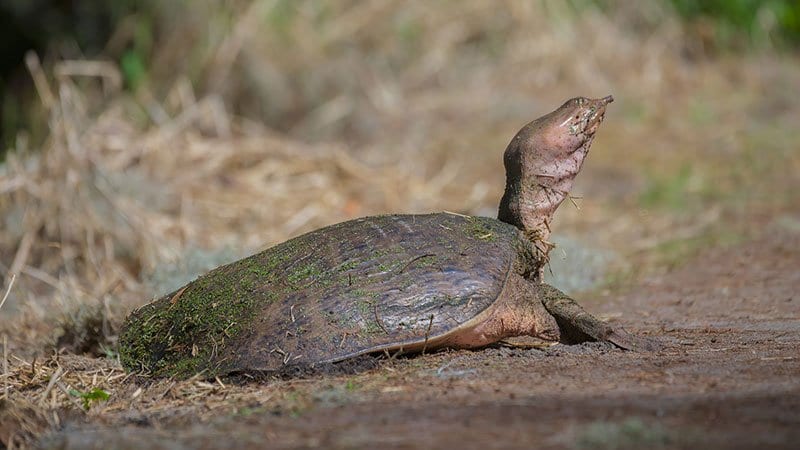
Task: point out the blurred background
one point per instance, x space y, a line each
144 142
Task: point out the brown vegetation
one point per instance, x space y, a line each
380 108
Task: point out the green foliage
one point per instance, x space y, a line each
281 16
669 191
754 20
674 252
87 398
133 62
133 69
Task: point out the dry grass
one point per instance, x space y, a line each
125 187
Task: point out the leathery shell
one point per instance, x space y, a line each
366 285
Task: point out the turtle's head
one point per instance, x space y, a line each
542 161
568 128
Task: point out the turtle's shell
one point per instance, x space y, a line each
366 285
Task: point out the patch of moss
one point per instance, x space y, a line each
452 301
365 304
349 265
178 335
478 228
364 307
181 333
306 272
372 327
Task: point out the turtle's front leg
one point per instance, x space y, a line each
577 325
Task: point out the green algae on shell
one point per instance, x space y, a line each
344 290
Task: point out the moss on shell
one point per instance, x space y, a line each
332 290
181 332
480 228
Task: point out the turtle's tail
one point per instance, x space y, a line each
577 325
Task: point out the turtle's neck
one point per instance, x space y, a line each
541 163
536 183
530 201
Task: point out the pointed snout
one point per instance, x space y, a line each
600 103
599 112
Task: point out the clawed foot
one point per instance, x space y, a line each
626 341
577 325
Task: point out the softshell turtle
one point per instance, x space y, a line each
396 283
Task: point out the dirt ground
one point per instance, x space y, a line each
727 377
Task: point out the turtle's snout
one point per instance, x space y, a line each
599 106
598 112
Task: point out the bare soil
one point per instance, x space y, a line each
727 377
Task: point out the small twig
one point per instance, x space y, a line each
453 374
8 289
291 313
286 356
71 397
39 80
177 295
225 331
137 393
108 72
45 278
214 348
166 391
444 366
5 365
574 203
378 319
416 258
427 333
23 251
53 379
394 355
455 214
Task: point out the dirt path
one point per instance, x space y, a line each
728 377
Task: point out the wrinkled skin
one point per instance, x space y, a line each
542 161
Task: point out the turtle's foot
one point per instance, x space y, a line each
624 340
577 325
